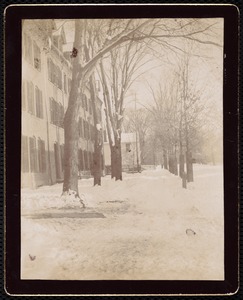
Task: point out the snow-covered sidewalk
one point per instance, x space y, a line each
145 227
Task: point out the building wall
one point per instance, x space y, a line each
44 101
130 152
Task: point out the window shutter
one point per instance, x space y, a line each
24 154
30 96
28 49
62 156
33 154
41 105
51 110
41 156
23 95
49 68
37 102
37 57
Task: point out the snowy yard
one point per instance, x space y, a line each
145 227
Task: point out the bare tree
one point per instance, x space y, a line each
191 113
89 47
123 31
123 65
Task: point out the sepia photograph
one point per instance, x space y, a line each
122 142
122 149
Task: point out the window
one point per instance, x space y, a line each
33 155
58 77
23 95
60 115
56 113
85 160
92 131
30 97
51 70
91 161
54 73
24 154
62 156
41 156
52 110
37 57
39 103
49 66
80 160
28 48
86 130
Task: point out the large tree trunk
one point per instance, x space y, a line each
170 163
70 184
97 166
113 161
165 160
118 160
189 166
181 165
175 165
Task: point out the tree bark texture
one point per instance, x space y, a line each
71 136
113 130
118 159
181 165
71 152
175 165
97 165
189 166
113 160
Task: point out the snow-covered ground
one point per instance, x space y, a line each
145 227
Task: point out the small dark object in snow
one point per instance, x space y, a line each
115 201
32 257
74 52
190 232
